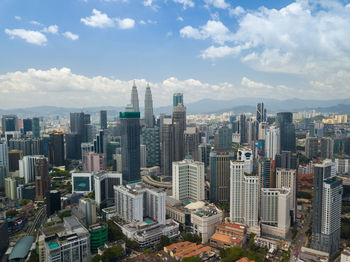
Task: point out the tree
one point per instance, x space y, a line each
91 195
192 238
11 213
114 232
25 202
113 254
97 258
191 259
33 257
164 241
66 213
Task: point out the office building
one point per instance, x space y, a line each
151 139
3 175
252 132
167 146
275 211
99 236
28 146
246 155
53 202
326 208
27 125
73 146
87 207
287 131
104 191
42 179
4 162
103 119
143 156
9 123
204 154
94 162
219 176
326 147
149 118
223 139
130 144
11 188
14 157
260 113
266 172
77 124
244 194
36 127
311 147
243 129
287 178
82 182
68 243
27 168
272 142
188 180
178 99
179 122
342 165
262 129
56 149
100 142
26 191
192 141
134 99
287 160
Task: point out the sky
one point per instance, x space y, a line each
81 53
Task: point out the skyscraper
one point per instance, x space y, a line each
149 120
56 149
73 146
135 99
287 160
53 202
311 147
167 146
223 139
327 147
9 123
287 131
27 125
272 142
326 208
130 144
178 99
36 127
260 113
42 180
243 129
219 176
103 119
179 122
77 123
192 141
151 138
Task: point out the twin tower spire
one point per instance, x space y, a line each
149 120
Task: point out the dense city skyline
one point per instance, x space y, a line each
89 52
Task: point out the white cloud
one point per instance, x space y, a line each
32 37
185 3
237 11
215 30
126 23
217 3
71 36
98 19
18 17
52 29
221 51
180 19
142 22
33 22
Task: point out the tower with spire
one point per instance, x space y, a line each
135 98
149 108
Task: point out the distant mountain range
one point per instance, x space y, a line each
238 105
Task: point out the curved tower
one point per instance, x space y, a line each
148 107
135 98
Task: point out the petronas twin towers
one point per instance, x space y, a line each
149 120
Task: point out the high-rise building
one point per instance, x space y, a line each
167 146
56 149
130 145
287 178
103 119
100 142
287 131
275 208
327 147
149 118
53 202
223 139
287 160
143 156
246 155
192 141
272 142
14 157
326 208
260 113
178 99
4 157
151 138
3 174
11 188
136 201
36 127
204 153
188 180
87 207
244 194
42 179
27 125
311 147
77 123
94 162
9 123
266 172
27 168
104 191
82 182
179 122
262 129
252 132
219 176
243 129
73 146
135 99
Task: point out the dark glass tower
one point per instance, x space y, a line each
179 122
42 180
260 113
287 131
130 145
9 123
103 119
27 125
36 127
243 129
178 99
53 202
73 146
56 149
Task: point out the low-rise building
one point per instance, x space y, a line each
188 249
310 255
229 235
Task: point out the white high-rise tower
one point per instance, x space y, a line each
149 107
135 98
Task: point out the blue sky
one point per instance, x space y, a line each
87 52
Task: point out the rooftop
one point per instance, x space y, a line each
22 248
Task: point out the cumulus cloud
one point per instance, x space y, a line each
18 17
32 37
185 3
126 23
180 19
220 51
217 3
237 11
70 35
33 22
52 29
215 30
